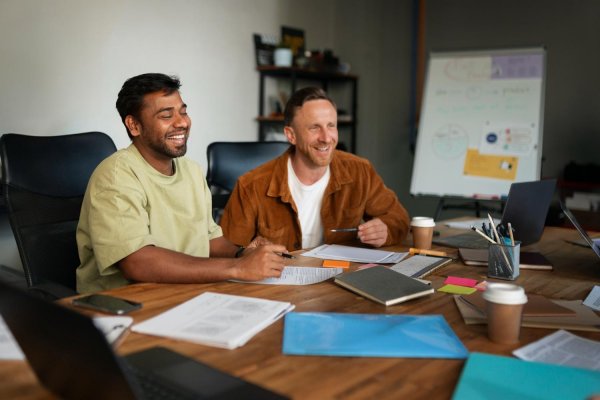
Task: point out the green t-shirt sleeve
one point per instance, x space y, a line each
118 220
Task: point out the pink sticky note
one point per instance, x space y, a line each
454 280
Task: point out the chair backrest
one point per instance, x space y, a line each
44 180
227 161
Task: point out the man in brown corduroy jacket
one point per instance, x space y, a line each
307 195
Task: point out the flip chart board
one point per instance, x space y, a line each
481 123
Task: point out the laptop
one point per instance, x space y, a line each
526 209
72 358
593 243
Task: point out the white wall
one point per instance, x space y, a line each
64 61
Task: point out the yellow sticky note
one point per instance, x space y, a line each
454 289
490 165
336 264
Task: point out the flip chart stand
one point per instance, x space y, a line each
476 205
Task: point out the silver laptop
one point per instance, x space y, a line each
592 243
526 209
72 358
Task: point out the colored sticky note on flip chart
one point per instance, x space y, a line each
455 280
454 289
336 263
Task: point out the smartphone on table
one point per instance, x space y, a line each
107 304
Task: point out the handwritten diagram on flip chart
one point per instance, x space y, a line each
481 123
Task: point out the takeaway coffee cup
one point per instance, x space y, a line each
422 232
504 308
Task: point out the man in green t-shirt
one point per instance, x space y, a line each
146 215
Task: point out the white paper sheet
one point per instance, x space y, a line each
356 254
292 275
563 348
113 327
9 348
216 319
593 299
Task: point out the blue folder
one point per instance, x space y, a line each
490 377
370 335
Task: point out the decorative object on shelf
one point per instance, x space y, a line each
264 46
283 57
293 38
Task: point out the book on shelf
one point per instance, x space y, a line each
383 285
527 259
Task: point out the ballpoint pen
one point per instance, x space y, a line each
285 255
344 230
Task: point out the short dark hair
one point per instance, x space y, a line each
300 97
131 95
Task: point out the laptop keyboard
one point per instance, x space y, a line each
467 240
153 389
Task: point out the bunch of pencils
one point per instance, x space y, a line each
500 235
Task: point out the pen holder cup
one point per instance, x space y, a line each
503 261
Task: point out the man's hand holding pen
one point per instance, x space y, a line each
373 232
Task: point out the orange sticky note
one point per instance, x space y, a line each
336 264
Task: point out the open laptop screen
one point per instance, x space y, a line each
581 231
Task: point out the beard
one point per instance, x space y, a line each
163 147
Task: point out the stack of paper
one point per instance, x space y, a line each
356 254
215 319
563 348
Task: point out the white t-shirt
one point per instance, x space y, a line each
308 199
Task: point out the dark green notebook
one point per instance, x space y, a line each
383 285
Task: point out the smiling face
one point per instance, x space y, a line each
314 132
162 130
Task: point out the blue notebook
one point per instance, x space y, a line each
487 376
370 335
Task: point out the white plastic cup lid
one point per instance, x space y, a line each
505 293
424 222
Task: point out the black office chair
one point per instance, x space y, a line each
227 161
44 179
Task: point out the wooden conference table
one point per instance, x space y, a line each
260 361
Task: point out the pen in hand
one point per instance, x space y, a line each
285 255
344 230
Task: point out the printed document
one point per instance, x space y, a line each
215 319
292 275
356 254
593 299
563 348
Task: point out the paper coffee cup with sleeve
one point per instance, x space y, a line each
504 309
422 232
